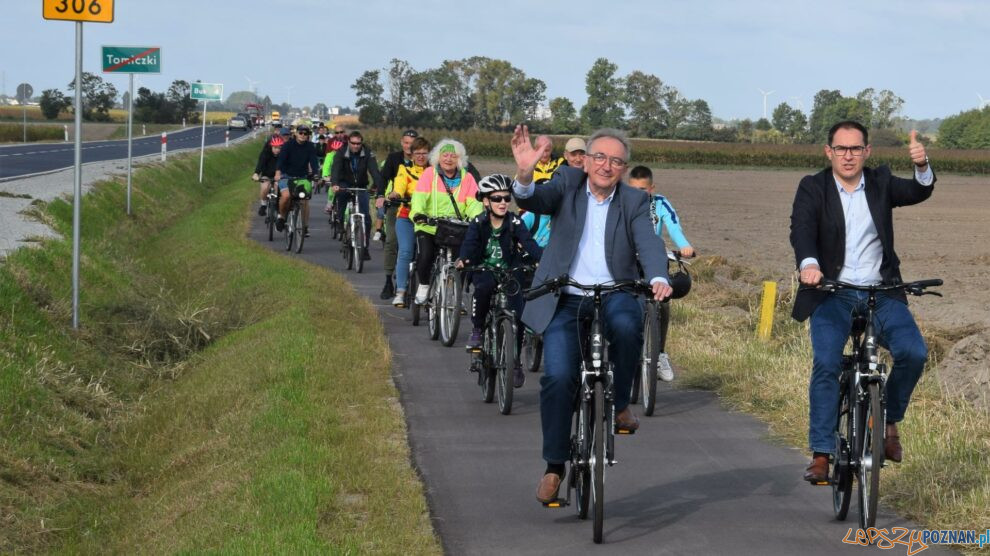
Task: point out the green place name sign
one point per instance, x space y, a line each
131 59
207 91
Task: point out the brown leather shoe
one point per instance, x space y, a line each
625 420
817 471
549 485
892 444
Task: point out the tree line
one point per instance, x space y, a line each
99 97
493 94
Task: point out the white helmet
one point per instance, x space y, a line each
491 184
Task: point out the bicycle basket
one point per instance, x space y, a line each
450 233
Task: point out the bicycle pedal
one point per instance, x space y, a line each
822 483
558 503
470 349
624 431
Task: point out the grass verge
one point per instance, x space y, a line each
213 399
944 482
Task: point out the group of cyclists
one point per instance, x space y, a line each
425 181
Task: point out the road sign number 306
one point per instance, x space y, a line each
99 11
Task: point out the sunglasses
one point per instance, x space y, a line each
358 144
500 198
303 133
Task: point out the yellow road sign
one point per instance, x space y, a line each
95 11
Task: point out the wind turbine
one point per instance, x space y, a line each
765 95
983 102
252 85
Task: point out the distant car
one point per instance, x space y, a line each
237 122
247 119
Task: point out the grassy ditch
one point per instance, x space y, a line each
212 400
14 133
944 481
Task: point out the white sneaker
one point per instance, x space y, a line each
422 293
400 298
377 236
664 370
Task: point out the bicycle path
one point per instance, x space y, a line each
695 479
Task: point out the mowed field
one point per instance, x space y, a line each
744 216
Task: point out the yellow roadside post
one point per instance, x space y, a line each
767 305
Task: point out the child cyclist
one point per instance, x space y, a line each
496 238
267 164
662 213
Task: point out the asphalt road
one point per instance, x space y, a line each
695 479
33 158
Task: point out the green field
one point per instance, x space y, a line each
204 404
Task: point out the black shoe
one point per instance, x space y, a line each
305 231
389 289
262 210
280 224
365 254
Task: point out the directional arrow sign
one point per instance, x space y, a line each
132 59
207 91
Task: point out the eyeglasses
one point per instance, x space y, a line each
500 198
357 144
338 132
425 153
841 150
613 161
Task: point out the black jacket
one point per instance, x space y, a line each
515 240
267 162
818 226
342 174
393 161
297 159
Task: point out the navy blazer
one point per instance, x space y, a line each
515 236
818 226
628 231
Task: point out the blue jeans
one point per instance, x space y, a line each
407 246
342 198
830 326
623 317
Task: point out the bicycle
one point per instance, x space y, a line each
531 353
496 359
271 207
593 440
861 420
336 227
353 237
446 292
294 229
656 315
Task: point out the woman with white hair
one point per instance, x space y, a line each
444 190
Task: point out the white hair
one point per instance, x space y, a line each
462 158
613 134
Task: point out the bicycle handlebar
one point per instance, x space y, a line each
914 288
636 287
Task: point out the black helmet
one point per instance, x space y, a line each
680 282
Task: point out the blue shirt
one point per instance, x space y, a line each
864 251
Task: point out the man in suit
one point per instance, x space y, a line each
842 229
600 225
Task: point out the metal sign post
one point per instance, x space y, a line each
205 92
24 92
100 11
131 60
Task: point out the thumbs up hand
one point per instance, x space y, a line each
917 151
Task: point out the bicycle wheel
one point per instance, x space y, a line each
871 458
290 235
433 309
841 475
597 463
486 374
270 216
505 364
300 234
411 294
450 318
532 351
650 358
358 245
581 452
346 250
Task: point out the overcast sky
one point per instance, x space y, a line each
935 55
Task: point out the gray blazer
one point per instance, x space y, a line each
629 231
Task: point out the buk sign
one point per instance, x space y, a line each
132 59
207 91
